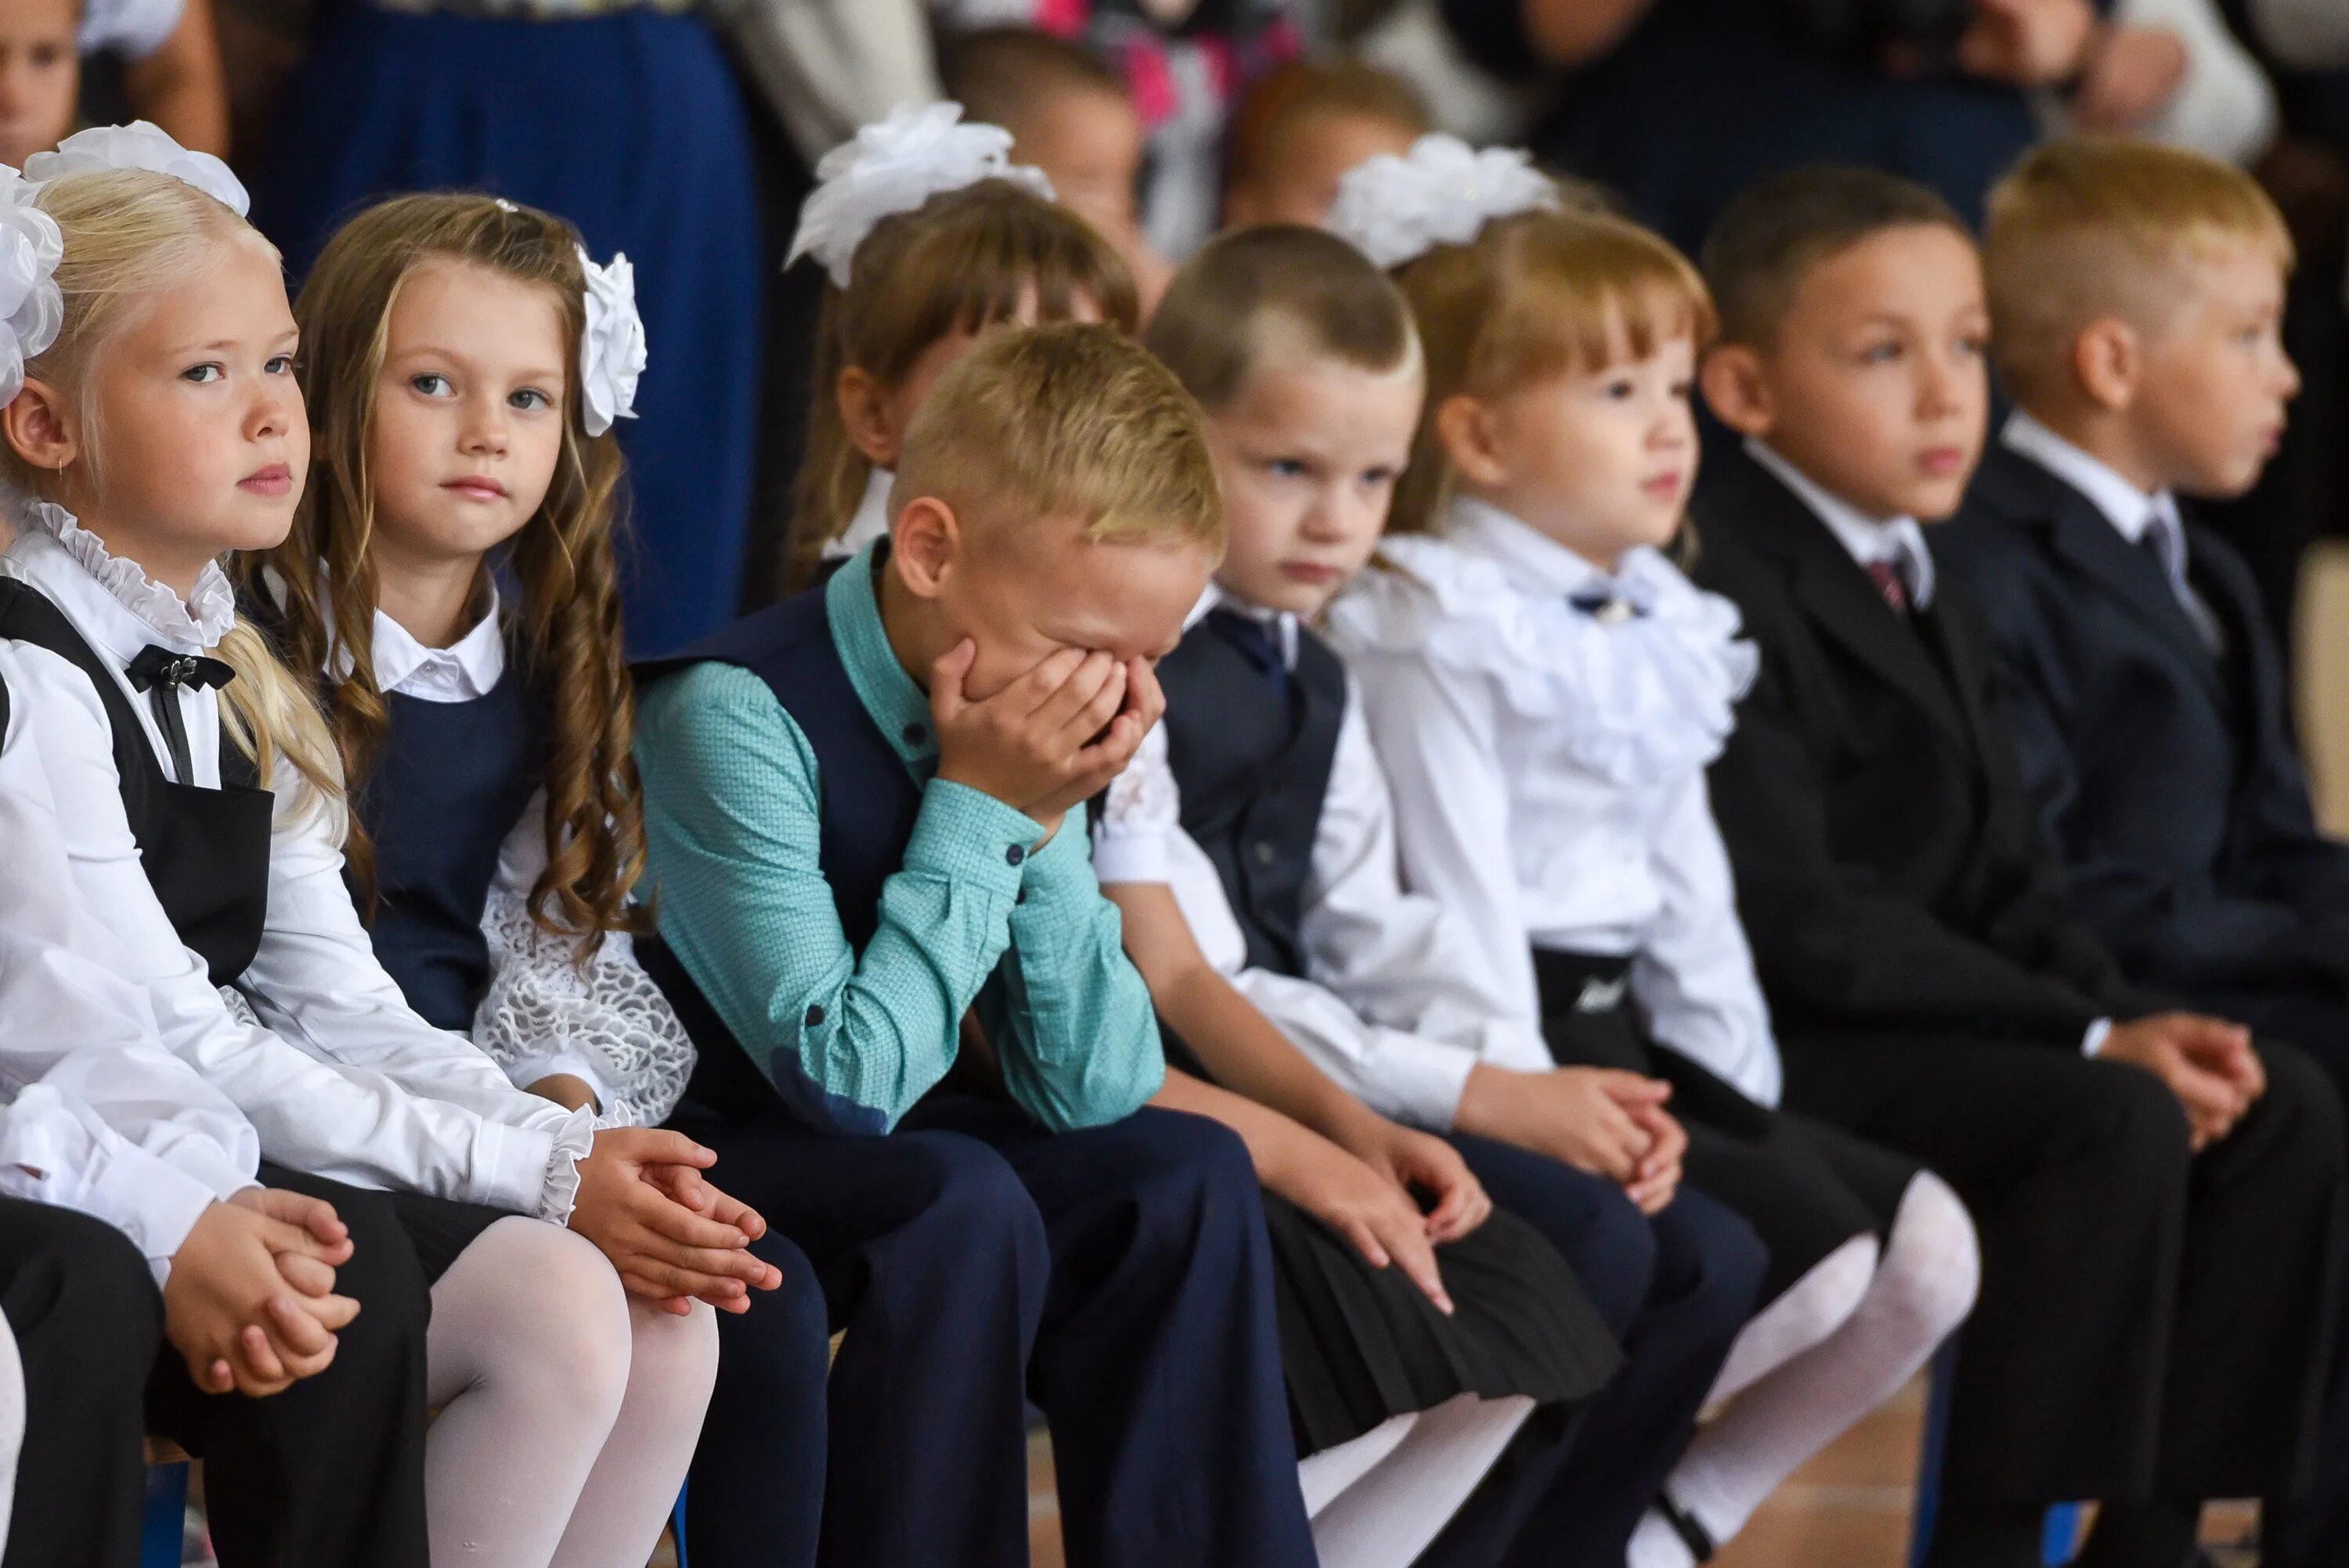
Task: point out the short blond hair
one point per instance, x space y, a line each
1071 419
2095 227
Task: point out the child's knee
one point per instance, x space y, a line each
1932 1270
675 1357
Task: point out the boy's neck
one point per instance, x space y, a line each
433 600
2106 435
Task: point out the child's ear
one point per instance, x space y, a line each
1736 389
2108 363
863 402
38 429
1465 426
923 544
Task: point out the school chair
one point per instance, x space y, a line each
676 1525
2057 1547
165 1521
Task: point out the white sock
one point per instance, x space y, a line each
1918 1294
1386 1519
1655 1544
1324 1476
530 1356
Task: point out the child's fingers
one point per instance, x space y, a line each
1096 715
1631 1088
655 1146
214 1377
1027 696
1145 699
294 1331
947 672
1076 698
305 1274
257 1357
666 1226
659 1280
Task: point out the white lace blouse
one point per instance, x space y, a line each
1384 1009
605 1023
320 1053
1548 767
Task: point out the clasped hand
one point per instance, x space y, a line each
250 1302
674 1238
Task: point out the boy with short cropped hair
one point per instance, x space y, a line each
2137 293
1910 924
1303 126
917 1030
1069 115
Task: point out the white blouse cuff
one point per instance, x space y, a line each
1128 857
1425 1079
535 1170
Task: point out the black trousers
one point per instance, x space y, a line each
1118 1274
327 1474
2308 1528
1675 1289
2150 1318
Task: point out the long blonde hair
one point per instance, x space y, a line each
564 557
129 233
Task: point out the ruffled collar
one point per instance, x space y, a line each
190 624
1634 700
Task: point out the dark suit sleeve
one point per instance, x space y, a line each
1837 949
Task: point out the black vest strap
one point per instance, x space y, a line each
205 851
1253 759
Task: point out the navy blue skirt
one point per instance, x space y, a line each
633 127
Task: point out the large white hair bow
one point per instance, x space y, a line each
893 167
1442 192
31 309
612 352
138 145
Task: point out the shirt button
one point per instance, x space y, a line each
1015 854
815 1017
917 735
1264 852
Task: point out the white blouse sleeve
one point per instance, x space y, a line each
605 1023
393 1117
1140 817
1437 735
1692 974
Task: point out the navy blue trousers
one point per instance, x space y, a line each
1676 1289
1118 1274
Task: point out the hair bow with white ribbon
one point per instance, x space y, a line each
894 167
1442 192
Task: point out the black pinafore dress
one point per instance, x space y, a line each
206 854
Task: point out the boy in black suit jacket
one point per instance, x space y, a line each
2160 1202
2138 293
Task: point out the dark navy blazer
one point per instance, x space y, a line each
2165 773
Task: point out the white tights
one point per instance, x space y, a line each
569 1411
1839 1342
1377 1502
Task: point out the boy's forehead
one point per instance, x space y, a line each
1916 269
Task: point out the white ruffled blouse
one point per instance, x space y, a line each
319 1049
1548 767
871 521
604 1023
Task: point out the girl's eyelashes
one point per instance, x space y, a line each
1288 468
1880 353
1621 390
280 364
532 398
204 375
431 384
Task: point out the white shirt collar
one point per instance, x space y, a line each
467 669
109 599
2126 507
1283 624
1897 541
871 522
1540 565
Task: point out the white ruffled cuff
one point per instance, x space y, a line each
572 1141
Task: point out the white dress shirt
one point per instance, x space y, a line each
1548 770
1897 541
339 1077
1386 1008
94 1114
604 1023
2133 514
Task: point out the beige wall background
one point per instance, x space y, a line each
2324 656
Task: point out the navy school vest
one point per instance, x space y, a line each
452 781
868 802
1254 770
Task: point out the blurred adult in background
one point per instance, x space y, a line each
626 118
63 63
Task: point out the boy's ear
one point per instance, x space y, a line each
37 428
1736 389
923 544
863 402
1465 426
2108 363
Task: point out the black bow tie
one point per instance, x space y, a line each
160 673
1606 607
